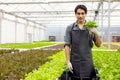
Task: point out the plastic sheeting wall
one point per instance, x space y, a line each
18 34
8 32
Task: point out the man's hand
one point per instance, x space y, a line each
70 66
98 41
94 30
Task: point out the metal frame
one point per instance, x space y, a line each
54 17
50 14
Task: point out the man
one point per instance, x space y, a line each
77 47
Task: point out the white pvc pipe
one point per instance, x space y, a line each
109 37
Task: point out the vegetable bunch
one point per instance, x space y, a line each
91 24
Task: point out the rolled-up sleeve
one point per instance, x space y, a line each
67 38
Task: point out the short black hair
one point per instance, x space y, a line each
83 7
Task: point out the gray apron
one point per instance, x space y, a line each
81 57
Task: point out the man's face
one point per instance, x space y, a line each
80 15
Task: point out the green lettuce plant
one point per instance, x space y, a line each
91 24
118 49
51 70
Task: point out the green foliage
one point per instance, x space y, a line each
14 66
26 45
91 24
7 51
42 41
2 51
101 47
118 49
114 43
50 70
108 64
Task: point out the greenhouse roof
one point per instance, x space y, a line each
61 12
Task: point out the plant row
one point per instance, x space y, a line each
107 62
51 70
26 45
15 65
7 51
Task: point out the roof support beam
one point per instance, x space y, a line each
19 17
52 2
57 12
61 16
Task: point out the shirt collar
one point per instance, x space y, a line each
76 25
